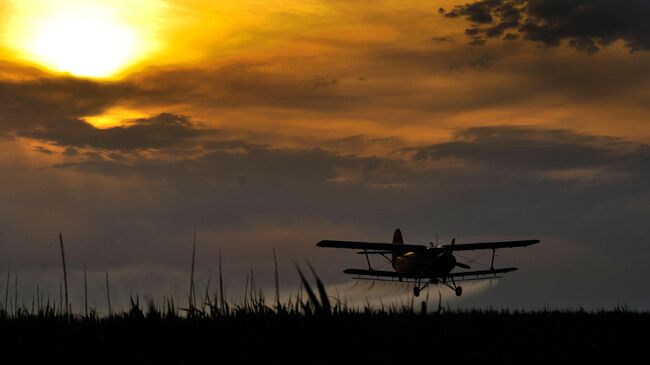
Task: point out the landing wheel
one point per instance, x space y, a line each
459 291
416 291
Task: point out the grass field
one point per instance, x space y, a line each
314 328
374 336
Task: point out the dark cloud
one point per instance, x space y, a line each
30 98
43 150
472 31
478 12
519 148
161 131
230 161
491 154
70 152
324 81
443 39
586 25
361 144
483 61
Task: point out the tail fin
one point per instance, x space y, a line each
397 236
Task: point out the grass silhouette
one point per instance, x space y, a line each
254 331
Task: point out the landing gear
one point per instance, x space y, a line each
417 289
456 288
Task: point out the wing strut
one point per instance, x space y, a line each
367 259
492 264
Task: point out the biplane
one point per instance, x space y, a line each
424 265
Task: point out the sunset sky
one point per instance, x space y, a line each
275 124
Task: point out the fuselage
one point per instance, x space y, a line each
425 263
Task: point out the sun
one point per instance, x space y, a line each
94 45
84 38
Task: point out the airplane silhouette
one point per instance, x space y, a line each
422 264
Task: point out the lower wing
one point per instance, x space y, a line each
397 275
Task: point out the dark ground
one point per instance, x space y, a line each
522 337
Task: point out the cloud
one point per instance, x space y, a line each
492 154
238 161
32 98
522 148
496 168
242 83
443 39
164 130
43 150
41 105
70 152
586 25
483 61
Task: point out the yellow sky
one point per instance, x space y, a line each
311 70
105 38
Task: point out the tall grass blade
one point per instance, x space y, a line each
85 293
60 298
108 296
65 275
277 280
252 292
246 292
310 293
222 301
7 289
324 299
192 296
15 294
38 298
206 299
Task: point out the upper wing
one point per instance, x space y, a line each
393 274
487 245
393 247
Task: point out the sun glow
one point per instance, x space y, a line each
85 38
115 116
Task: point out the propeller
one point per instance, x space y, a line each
459 264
